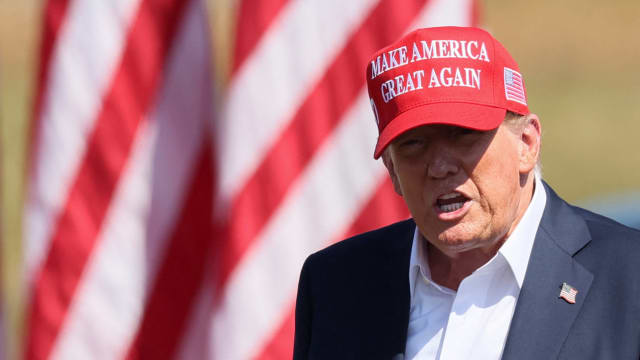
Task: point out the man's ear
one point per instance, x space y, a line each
530 140
388 163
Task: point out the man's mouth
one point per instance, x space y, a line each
451 202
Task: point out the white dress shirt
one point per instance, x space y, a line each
473 322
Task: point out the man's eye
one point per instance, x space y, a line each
411 143
464 131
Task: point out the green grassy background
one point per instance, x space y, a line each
579 60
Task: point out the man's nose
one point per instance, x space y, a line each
442 164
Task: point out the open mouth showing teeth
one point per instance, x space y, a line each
451 202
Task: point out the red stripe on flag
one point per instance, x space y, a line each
108 147
382 208
182 271
313 123
281 344
476 12
253 20
54 14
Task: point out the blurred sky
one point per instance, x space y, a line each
579 59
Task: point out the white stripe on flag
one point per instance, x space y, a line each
276 78
308 219
89 46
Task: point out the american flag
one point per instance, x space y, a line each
166 220
513 86
568 293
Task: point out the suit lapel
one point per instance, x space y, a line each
542 320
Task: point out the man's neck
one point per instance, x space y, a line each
450 271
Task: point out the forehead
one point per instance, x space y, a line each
438 130
464 142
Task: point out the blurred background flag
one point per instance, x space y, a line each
117 223
294 151
163 221
157 220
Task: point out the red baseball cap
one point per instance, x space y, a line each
443 75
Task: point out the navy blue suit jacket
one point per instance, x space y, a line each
353 297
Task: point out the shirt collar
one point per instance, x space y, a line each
417 262
516 250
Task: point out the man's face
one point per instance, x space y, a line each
462 186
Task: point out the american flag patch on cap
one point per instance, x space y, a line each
513 86
568 293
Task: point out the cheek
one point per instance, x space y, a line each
411 181
502 163
498 181
410 178
413 195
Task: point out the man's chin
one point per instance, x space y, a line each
459 239
460 235
457 244
459 232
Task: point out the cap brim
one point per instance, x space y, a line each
472 116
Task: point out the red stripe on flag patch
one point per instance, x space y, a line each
108 147
314 121
513 87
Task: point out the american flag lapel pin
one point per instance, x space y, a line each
568 293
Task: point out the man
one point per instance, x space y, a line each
493 264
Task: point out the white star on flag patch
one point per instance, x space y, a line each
568 293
